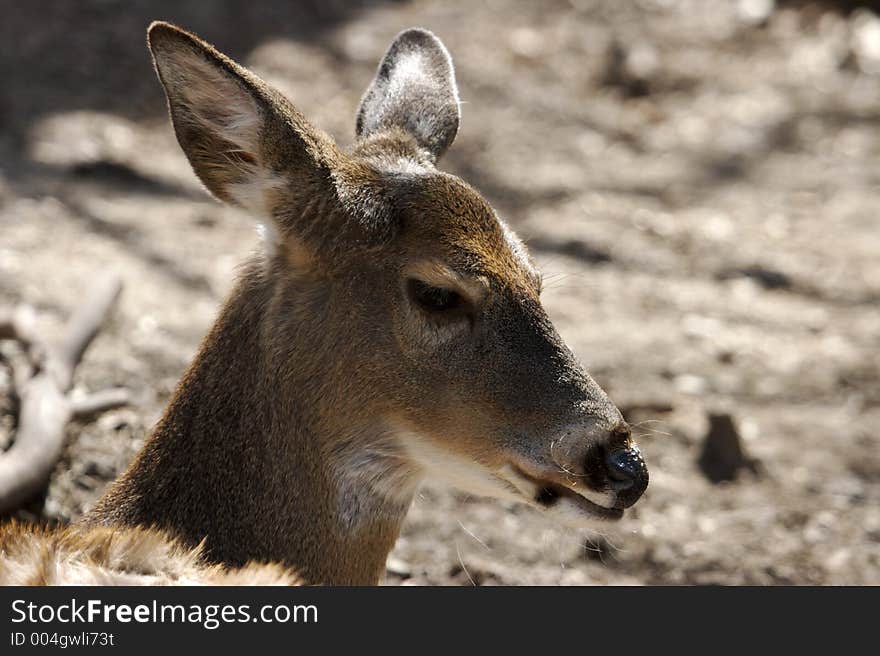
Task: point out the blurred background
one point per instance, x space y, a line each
698 179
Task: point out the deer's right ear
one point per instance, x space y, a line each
414 91
243 138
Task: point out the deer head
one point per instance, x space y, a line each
400 322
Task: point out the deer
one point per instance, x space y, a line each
389 328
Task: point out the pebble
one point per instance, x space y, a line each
398 567
690 384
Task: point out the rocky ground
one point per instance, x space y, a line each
698 180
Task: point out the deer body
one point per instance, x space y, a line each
391 328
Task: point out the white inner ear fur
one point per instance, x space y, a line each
216 99
410 72
219 104
408 69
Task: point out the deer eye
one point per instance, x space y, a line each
433 299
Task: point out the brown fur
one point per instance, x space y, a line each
327 389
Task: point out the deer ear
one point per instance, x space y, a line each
243 138
414 90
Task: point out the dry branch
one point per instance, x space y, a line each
42 385
94 404
17 323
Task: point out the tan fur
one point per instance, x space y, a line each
32 555
333 382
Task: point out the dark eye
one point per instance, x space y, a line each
433 299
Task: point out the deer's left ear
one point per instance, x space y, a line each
414 90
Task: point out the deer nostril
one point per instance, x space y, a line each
620 473
627 473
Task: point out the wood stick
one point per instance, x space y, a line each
45 407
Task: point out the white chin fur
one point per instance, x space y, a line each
507 484
564 510
459 472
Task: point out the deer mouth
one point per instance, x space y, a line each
559 498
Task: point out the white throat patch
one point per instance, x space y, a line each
461 473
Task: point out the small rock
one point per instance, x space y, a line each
865 42
766 277
726 356
631 68
690 384
398 567
101 470
755 12
838 559
723 455
526 42
85 482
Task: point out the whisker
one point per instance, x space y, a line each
463 566
562 467
469 532
655 433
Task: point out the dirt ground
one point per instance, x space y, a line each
699 181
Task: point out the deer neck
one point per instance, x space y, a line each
245 458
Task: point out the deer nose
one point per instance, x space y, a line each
627 474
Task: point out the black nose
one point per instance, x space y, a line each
628 475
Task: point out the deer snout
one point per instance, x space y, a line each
628 475
622 467
613 465
591 472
